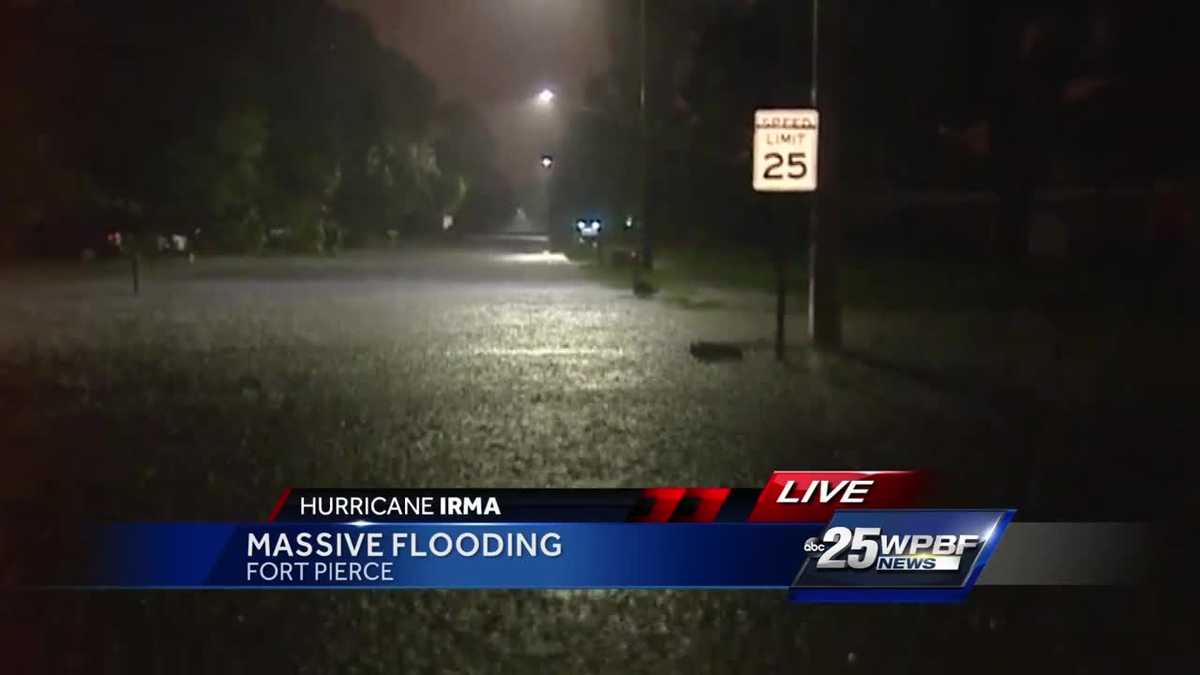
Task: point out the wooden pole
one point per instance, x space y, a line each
647 254
824 301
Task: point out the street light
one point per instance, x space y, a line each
547 161
545 97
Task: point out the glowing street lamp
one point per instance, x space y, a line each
547 161
545 97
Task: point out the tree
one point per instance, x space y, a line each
217 187
227 117
471 185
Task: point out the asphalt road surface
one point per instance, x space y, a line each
491 364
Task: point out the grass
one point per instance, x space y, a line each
686 275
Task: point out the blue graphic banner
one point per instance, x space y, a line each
460 556
862 555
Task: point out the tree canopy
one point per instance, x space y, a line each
223 119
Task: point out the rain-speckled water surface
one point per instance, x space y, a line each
225 381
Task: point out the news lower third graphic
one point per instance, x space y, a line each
821 536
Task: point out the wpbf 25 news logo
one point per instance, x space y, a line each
910 554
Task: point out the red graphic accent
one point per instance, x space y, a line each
710 501
813 496
663 503
287 492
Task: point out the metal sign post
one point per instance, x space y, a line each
785 160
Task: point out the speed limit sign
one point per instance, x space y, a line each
785 150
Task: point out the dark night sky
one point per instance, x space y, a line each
498 54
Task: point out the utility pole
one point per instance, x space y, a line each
647 254
824 301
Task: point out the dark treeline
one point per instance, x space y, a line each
1001 97
227 121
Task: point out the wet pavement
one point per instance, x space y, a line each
490 364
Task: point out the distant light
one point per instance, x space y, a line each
543 258
628 222
545 97
547 161
588 229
